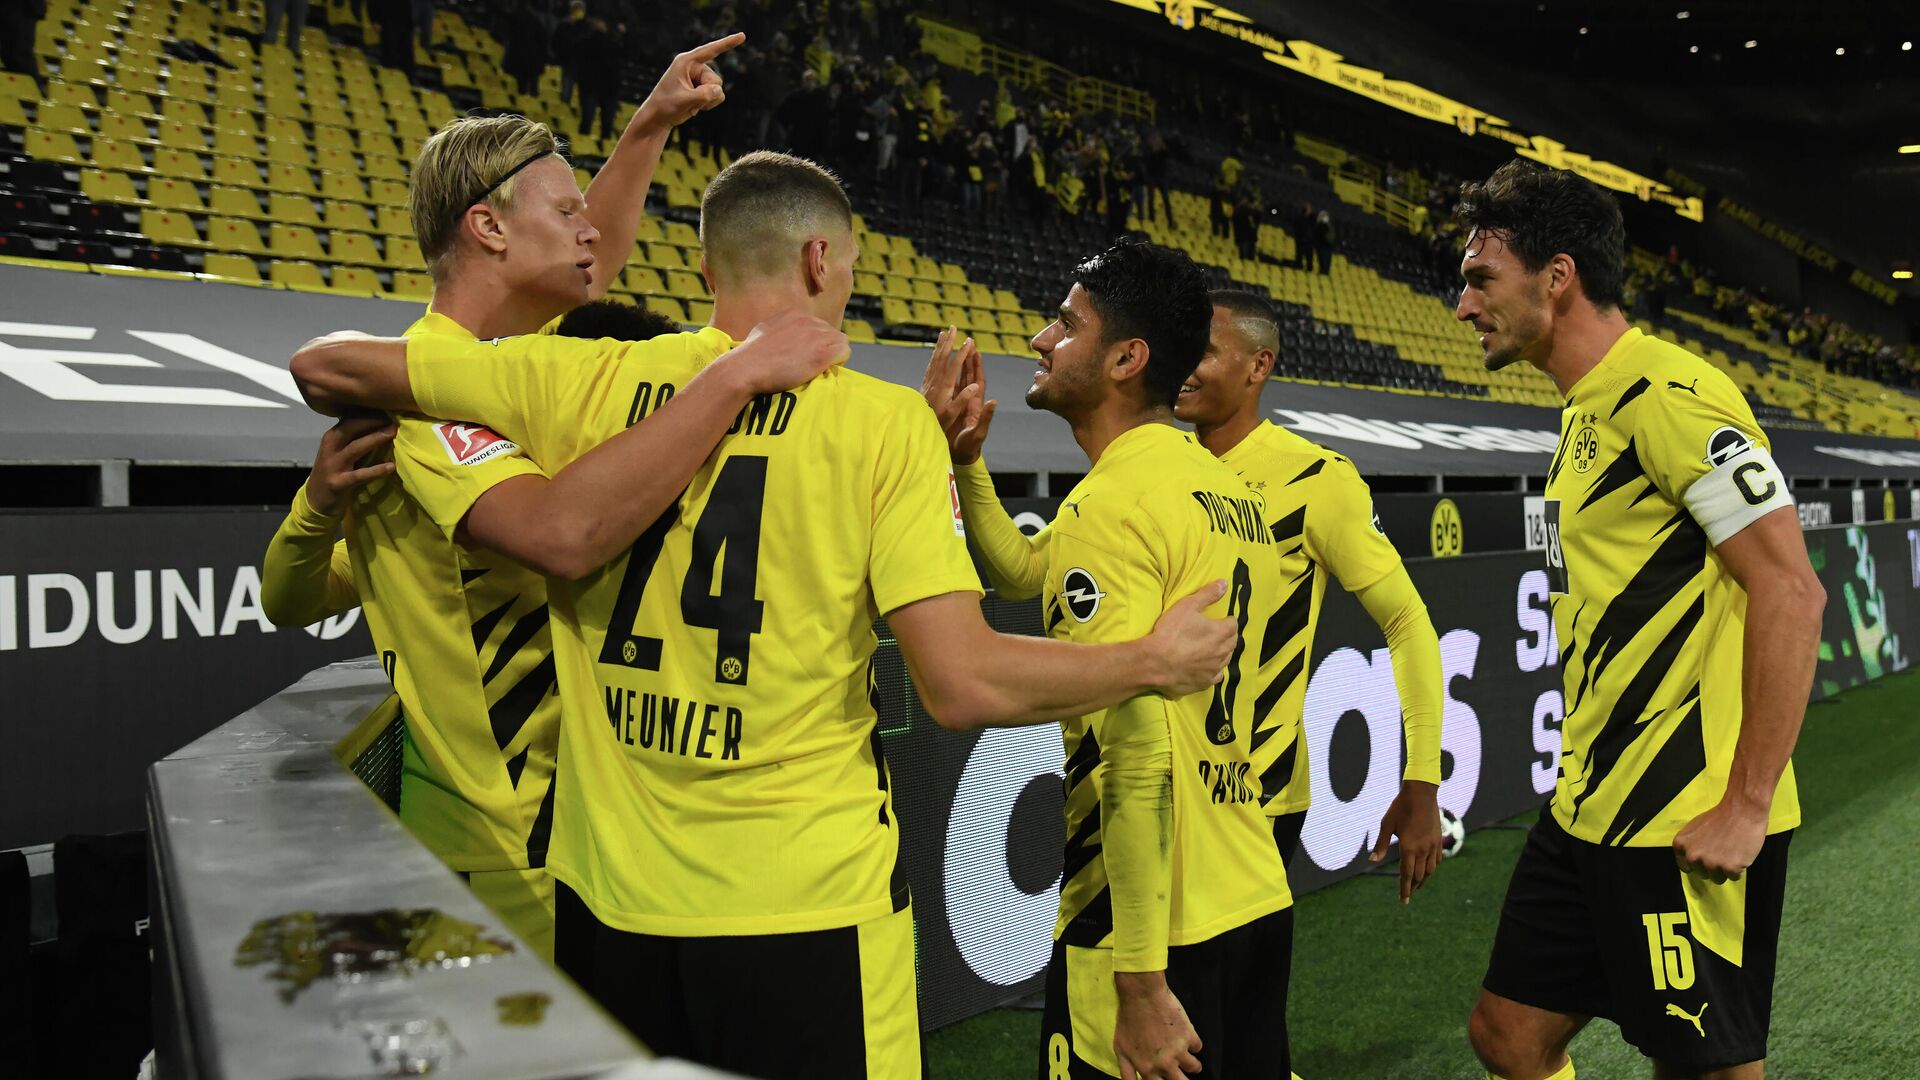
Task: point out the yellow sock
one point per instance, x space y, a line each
1565 1073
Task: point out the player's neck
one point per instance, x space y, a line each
1580 342
1098 429
486 309
1229 433
737 312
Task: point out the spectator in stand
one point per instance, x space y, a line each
1247 211
1323 241
803 116
395 19
1225 179
567 39
599 57
422 21
294 11
17 21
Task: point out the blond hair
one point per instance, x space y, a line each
455 168
760 209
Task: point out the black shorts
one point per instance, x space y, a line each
1684 966
830 1003
1286 834
1233 986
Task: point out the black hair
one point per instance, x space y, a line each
1540 212
614 319
1246 304
1156 294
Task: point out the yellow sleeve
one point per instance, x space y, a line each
1124 576
1396 606
446 466
520 387
1343 533
1016 563
306 575
919 548
1701 446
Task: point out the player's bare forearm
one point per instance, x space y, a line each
1785 601
617 197
343 371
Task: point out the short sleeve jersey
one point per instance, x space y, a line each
1155 519
724 766
1659 461
1321 514
464 637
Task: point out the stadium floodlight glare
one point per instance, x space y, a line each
1693 48
1911 148
1583 29
1753 44
1841 51
1906 46
1903 275
1683 14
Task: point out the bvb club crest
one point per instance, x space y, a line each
1586 445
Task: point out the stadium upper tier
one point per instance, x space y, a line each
167 143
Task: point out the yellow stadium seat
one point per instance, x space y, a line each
108 187
951 293
237 120
12 113
980 296
351 247
167 227
874 243
236 172
699 312
681 234
858 331
926 290
954 317
642 280
181 164
359 280
384 168
894 310
328 137
178 136
925 314
77 94
125 127
978 319
665 257
293 241
292 210
388 192
377 143
393 221
1012 323
404 254
303 276
411 285
281 129
952 274
293 179
17 86
344 186
181 111
347 216
989 343
668 306
649 231
288 152
236 202
110 154
326 110
58 116
234 234
1004 300
239 144
177 195
685 285
235 268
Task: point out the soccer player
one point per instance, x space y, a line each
1322 516
723 831
1175 932
1650 890
440 552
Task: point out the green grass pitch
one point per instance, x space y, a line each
1381 991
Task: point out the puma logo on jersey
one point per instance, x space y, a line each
1691 1018
471 444
1689 388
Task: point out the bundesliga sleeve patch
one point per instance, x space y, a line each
471 444
1742 485
953 494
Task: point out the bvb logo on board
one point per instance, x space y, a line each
1448 533
1586 445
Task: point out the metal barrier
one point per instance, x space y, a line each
301 930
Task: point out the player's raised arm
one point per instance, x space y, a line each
955 388
970 676
347 370
1784 603
306 575
617 196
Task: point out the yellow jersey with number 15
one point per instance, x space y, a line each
724 772
1660 461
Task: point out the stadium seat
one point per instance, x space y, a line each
109 187
403 254
292 210
642 280
374 143
237 172
668 306
56 116
384 168
293 241
292 179
342 186
236 268
665 257
351 247
685 285
111 154
347 216
328 137
858 331
358 280
182 111
388 192
411 285
392 221
180 164
240 121
181 196
236 202
287 152
303 276
234 234
125 127
168 227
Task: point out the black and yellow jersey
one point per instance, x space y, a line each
464 637
724 770
1155 519
1659 461
1322 517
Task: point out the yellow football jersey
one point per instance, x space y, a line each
1321 513
724 770
1155 519
1659 461
464 637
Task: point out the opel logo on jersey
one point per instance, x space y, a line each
1725 444
1081 594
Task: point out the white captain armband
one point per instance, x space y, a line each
1743 486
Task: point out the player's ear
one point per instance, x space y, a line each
1262 367
1561 273
487 227
814 265
1129 360
706 275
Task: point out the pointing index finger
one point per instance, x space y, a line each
720 47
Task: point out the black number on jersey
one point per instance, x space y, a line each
729 528
1220 713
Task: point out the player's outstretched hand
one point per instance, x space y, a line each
1191 648
1721 843
1152 1036
688 88
788 350
1413 816
337 468
956 388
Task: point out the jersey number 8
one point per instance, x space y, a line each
730 520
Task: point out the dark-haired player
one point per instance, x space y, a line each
1650 891
614 319
724 835
1175 932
